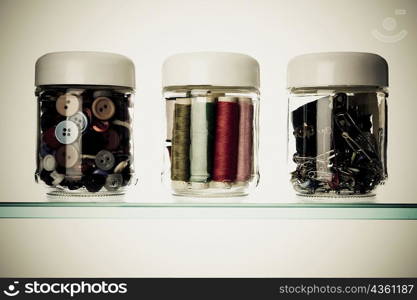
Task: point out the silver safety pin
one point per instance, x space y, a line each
352 144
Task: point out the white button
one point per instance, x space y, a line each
58 178
102 93
49 162
113 182
81 120
121 166
105 160
67 104
66 132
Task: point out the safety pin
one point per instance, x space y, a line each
350 122
351 142
316 174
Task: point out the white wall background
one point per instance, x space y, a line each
149 31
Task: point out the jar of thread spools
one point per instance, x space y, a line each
212 105
337 123
85 110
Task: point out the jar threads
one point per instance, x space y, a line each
211 101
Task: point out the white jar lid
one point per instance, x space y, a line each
86 68
211 68
337 69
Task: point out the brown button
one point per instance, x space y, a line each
67 104
112 139
103 108
67 156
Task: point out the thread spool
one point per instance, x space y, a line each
226 142
180 166
169 113
202 136
245 146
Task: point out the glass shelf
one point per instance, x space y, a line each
103 210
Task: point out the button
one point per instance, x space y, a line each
92 142
66 132
45 176
72 184
50 139
122 110
94 182
102 93
103 108
67 156
100 126
77 92
67 104
105 160
48 98
127 176
49 162
45 150
74 173
50 119
113 182
121 166
87 112
112 139
57 178
100 172
81 120
87 166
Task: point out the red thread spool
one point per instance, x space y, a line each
227 138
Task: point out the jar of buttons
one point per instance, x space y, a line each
85 113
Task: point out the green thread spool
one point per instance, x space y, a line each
180 167
202 137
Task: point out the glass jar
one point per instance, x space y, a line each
212 107
85 111
337 123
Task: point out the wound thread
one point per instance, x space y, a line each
227 138
245 148
202 136
180 152
169 112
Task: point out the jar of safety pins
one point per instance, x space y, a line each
337 123
212 105
85 106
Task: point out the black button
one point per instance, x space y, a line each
92 142
94 182
45 176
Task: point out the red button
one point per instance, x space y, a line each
112 139
50 139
